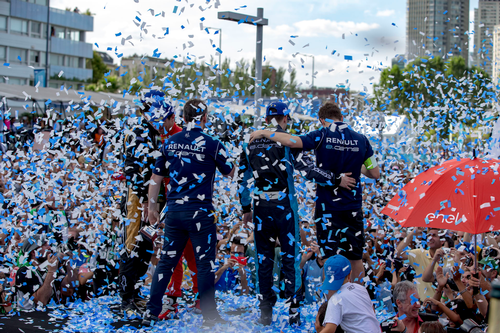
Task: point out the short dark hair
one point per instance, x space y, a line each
279 118
432 327
193 109
322 312
331 111
237 240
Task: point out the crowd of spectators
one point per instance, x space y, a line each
63 216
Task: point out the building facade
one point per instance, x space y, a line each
486 17
496 55
23 43
437 28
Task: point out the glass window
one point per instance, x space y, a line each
73 62
2 53
18 56
17 81
36 29
74 35
3 23
42 58
57 60
18 26
57 32
38 2
37 58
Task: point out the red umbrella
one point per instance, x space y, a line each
460 194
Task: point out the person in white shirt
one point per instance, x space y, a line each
349 304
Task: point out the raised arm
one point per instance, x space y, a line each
400 251
154 190
284 138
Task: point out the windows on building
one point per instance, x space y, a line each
37 2
57 32
3 54
17 81
73 62
18 56
37 58
73 35
36 29
3 23
56 59
18 26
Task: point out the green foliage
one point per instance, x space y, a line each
186 78
445 93
98 67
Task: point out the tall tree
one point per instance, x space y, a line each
443 93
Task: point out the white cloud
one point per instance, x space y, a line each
323 27
385 13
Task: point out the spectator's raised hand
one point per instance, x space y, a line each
315 248
472 281
441 279
439 255
307 254
456 273
400 327
231 263
381 270
53 264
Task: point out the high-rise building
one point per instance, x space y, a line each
496 55
437 27
23 43
486 17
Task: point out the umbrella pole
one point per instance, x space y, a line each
475 290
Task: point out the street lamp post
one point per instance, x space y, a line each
260 22
47 76
312 75
220 54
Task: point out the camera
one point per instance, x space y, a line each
469 262
469 326
451 283
490 252
388 325
70 246
149 233
425 316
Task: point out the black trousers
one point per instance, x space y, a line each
133 268
340 232
277 219
105 278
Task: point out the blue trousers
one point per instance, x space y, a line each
200 227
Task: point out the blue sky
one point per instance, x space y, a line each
372 32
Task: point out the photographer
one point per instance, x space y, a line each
424 261
490 264
231 275
312 270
